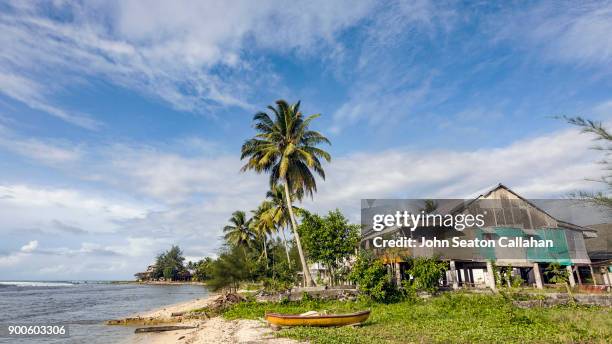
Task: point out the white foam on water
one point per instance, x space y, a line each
36 284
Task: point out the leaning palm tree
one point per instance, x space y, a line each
285 148
238 232
262 226
279 214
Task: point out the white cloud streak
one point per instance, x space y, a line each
192 56
565 32
27 206
34 95
45 151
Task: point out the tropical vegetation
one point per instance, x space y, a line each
330 240
169 265
286 149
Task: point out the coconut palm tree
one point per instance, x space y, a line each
279 214
262 226
285 148
239 232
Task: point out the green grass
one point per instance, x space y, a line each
450 318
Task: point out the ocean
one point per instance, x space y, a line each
84 306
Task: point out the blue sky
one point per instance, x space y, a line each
121 121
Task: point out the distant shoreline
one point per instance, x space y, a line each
160 282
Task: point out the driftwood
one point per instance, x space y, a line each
162 328
144 321
177 314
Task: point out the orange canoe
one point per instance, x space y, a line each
277 319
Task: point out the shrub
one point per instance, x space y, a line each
372 278
426 274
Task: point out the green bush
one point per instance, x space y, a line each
372 278
426 274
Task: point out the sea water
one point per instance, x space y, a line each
84 306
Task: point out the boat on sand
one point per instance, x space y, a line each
316 319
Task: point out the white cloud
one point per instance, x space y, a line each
30 247
552 165
192 56
173 177
374 104
16 258
40 150
604 109
387 81
565 32
35 96
141 246
11 259
201 193
27 206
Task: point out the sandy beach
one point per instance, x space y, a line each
213 330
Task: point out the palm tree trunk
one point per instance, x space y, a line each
286 247
265 252
305 270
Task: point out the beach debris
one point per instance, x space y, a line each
177 314
133 321
162 328
143 321
181 337
216 307
199 314
224 301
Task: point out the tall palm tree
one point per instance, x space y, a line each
285 148
279 214
262 226
239 232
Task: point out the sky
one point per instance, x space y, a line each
121 122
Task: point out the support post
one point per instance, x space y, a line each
398 275
538 276
491 275
572 281
470 273
593 275
577 269
604 274
453 275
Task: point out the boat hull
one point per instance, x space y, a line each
317 320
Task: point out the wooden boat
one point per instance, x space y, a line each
279 320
